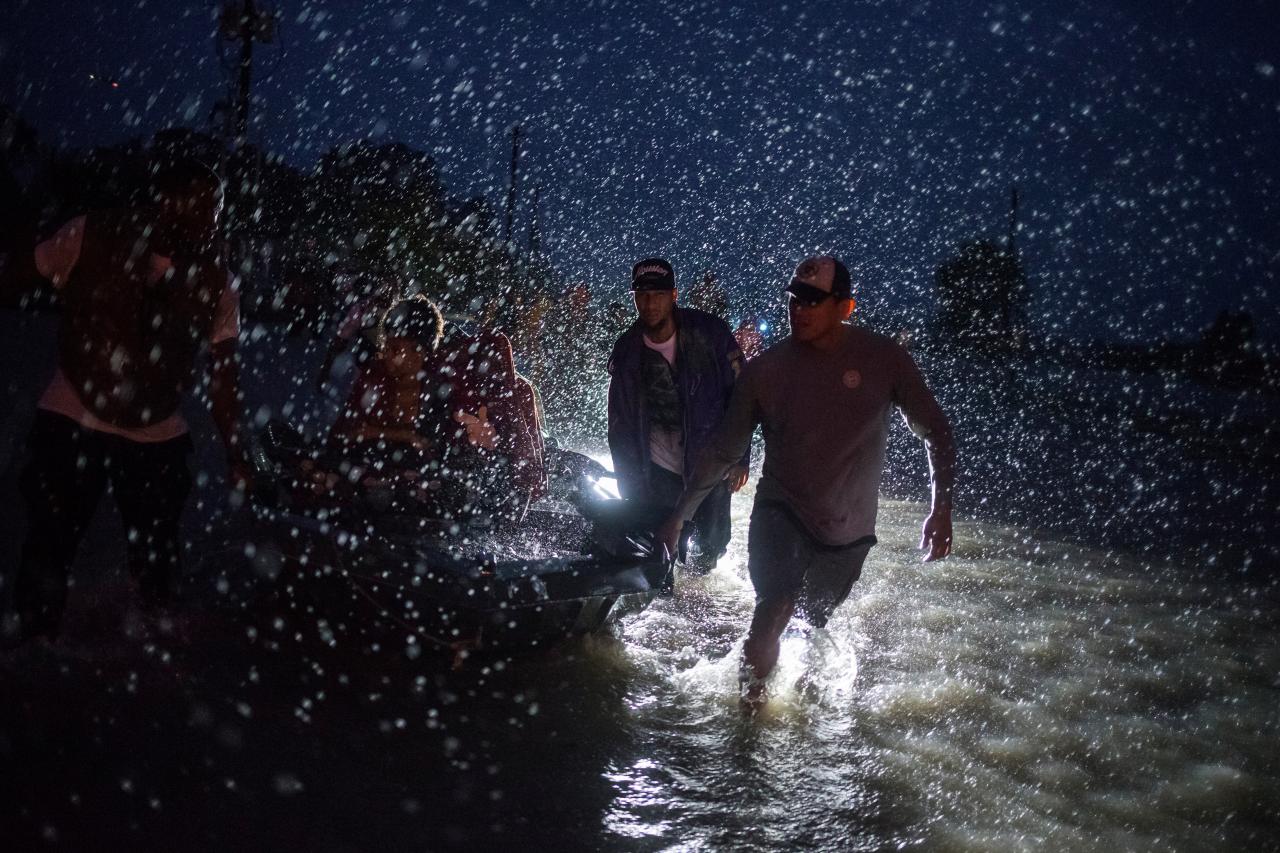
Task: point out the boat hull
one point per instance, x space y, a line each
416 587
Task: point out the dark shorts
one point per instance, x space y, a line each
786 562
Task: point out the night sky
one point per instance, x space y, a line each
1145 142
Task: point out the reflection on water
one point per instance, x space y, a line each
1023 694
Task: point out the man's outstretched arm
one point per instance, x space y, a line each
732 363
224 404
925 418
936 537
732 439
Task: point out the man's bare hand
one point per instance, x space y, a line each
736 478
935 539
240 479
479 431
667 537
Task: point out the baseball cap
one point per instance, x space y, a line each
818 277
653 274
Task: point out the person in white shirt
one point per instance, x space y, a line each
143 292
670 377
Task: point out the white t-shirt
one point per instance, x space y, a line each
666 447
55 259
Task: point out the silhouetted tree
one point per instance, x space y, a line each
707 295
1226 353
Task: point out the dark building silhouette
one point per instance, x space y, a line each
1226 353
981 299
981 295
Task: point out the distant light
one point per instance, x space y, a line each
764 327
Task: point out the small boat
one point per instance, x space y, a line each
374 561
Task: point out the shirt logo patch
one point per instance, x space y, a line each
852 379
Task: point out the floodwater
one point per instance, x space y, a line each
1023 694
1031 692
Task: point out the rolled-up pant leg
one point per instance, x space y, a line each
61 485
151 483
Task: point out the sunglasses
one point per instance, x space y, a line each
794 302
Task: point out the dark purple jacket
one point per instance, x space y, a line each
707 361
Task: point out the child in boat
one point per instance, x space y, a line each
388 409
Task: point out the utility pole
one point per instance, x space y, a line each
535 230
1013 221
242 21
516 135
245 22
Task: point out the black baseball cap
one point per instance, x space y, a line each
819 277
653 274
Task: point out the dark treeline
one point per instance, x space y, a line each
370 208
301 240
1226 354
306 243
981 309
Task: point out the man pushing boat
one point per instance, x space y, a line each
670 377
823 396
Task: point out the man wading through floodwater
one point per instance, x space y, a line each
823 397
143 290
670 377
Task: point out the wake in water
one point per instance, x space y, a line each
1024 693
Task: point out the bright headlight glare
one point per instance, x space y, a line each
606 488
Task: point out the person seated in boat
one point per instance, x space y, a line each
446 412
529 405
381 436
387 410
357 331
493 407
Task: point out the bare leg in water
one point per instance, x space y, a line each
760 652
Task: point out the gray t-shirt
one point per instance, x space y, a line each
666 446
825 418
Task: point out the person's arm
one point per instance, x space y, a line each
732 437
224 386
620 441
731 365
925 418
497 424
337 347
936 535
55 258
224 405
480 430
